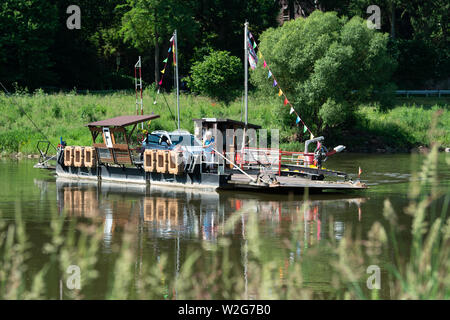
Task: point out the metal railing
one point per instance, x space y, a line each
423 92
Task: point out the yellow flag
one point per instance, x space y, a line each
280 93
163 70
311 137
259 54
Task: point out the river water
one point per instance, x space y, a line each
176 221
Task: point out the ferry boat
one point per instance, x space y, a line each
181 159
178 159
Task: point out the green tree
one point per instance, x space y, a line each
419 36
79 55
325 65
148 23
27 28
218 76
222 22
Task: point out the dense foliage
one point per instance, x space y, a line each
218 76
326 65
37 49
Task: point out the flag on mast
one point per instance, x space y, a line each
252 58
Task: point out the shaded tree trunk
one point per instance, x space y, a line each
291 8
392 21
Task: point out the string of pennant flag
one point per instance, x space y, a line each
253 61
166 60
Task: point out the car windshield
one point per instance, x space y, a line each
188 140
152 138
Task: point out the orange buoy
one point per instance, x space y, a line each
176 163
161 161
150 160
90 157
68 156
78 157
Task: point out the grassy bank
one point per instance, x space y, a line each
65 114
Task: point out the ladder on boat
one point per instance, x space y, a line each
138 87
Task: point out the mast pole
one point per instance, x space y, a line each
246 71
176 75
140 86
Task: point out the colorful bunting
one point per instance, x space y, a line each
253 60
166 60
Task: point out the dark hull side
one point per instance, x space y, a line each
139 176
200 180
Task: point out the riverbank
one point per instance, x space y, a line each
401 129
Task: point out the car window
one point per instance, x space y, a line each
187 140
152 138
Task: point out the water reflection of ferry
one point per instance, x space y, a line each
168 221
171 213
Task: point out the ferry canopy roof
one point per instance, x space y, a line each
123 121
227 122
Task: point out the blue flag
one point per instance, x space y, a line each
269 75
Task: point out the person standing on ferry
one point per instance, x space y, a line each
208 145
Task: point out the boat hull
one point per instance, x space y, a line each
136 175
